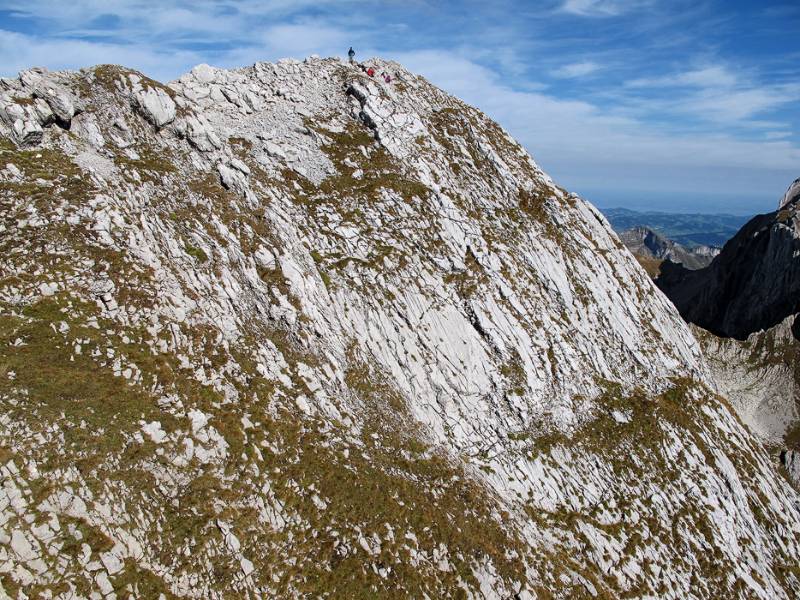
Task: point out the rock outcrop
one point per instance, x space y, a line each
760 376
792 194
752 285
287 331
748 300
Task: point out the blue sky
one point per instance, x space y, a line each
668 105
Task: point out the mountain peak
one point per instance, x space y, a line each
792 194
754 282
293 330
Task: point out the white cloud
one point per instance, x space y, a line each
614 138
601 8
727 106
777 135
716 93
709 76
21 52
298 40
583 146
578 69
167 22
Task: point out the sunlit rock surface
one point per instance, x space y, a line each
288 331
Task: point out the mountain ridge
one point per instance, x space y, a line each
745 303
750 286
288 330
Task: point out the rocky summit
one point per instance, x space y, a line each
289 331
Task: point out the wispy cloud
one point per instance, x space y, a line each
607 94
601 8
718 93
582 131
705 77
21 51
577 69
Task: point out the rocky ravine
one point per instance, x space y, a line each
761 378
286 331
748 299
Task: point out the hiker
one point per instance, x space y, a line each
351 54
387 78
371 72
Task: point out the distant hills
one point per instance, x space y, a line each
651 249
689 230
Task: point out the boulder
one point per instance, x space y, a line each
231 177
27 133
204 73
156 106
199 133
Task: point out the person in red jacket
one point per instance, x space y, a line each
371 72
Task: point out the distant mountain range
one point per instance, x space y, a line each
651 249
689 230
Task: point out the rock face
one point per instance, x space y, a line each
790 459
792 195
748 299
317 336
646 243
760 376
753 284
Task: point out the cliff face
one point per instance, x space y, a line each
761 378
753 284
748 299
287 330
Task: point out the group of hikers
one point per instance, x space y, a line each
351 54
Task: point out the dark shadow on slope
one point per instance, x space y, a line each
752 285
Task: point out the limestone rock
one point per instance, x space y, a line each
646 243
156 105
791 460
792 194
331 344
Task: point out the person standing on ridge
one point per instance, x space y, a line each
351 54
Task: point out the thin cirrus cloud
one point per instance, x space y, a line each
594 88
577 69
709 76
716 93
601 8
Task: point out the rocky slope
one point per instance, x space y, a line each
286 331
748 298
651 247
761 378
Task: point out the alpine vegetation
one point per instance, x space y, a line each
294 331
